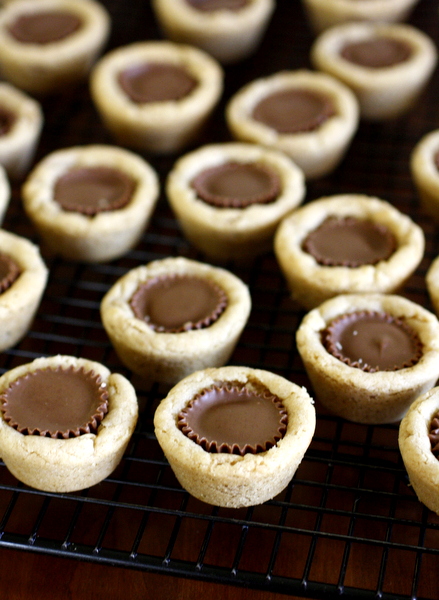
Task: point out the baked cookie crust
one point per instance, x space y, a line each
383 93
231 480
106 235
66 465
232 233
356 395
425 172
316 152
311 283
168 357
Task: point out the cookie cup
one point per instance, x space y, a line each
43 69
421 464
106 235
228 35
157 127
19 143
311 283
425 173
316 152
323 14
168 357
67 465
232 480
356 395
232 233
20 302
5 193
383 93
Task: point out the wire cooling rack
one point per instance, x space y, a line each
348 525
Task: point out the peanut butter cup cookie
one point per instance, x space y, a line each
229 30
369 356
156 96
175 316
65 422
50 44
230 198
235 436
344 244
23 278
309 116
424 167
323 14
21 121
91 203
386 65
419 446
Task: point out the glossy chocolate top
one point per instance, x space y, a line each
237 185
294 110
91 190
434 434
235 420
156 82
44 27
177 303
57 403
9 271
213 5
377 52
373 341
7 120
350 242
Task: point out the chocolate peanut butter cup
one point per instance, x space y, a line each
377 52
57 403
7 120
433 435
237 185
294 110
44 27
213 5
350 242
177 303
235 420
372 341
9 271
156 82
91 190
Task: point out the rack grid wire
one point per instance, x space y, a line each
348 525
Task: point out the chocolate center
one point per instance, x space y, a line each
156 82
91 190
234 420
377 53
294 110
57 403
350 242
434 435
213 5
178 303
372 341
7 120
44 27
237 185
9 272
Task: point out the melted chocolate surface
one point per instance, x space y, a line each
377 53
57 403
9 272
7 120
156 82
44 27
434 435
178 303
91 190
214 5
235 420
237 185
350 242
372 341
294 110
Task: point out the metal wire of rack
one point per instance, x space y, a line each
348 523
